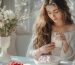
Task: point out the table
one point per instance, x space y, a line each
24 60
30 61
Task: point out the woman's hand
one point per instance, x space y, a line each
47 48
44 50
64 42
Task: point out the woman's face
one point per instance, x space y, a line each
55 14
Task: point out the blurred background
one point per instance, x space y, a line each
28 11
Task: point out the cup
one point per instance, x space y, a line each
58 43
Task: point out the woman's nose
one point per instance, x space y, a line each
52 16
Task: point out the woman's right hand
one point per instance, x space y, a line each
47 48
44 50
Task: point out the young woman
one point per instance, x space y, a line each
54 24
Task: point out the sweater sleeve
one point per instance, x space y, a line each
31 50
70 54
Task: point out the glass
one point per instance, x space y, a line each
57 40
4 45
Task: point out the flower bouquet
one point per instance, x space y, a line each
8 23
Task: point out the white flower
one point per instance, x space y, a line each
7 21
8 14
1 24
1 16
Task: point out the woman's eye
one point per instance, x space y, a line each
56 12
49 13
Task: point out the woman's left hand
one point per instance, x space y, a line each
64 42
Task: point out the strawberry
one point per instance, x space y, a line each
15 63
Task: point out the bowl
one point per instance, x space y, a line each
48 60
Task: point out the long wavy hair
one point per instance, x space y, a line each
43 26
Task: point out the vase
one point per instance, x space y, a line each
4 45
